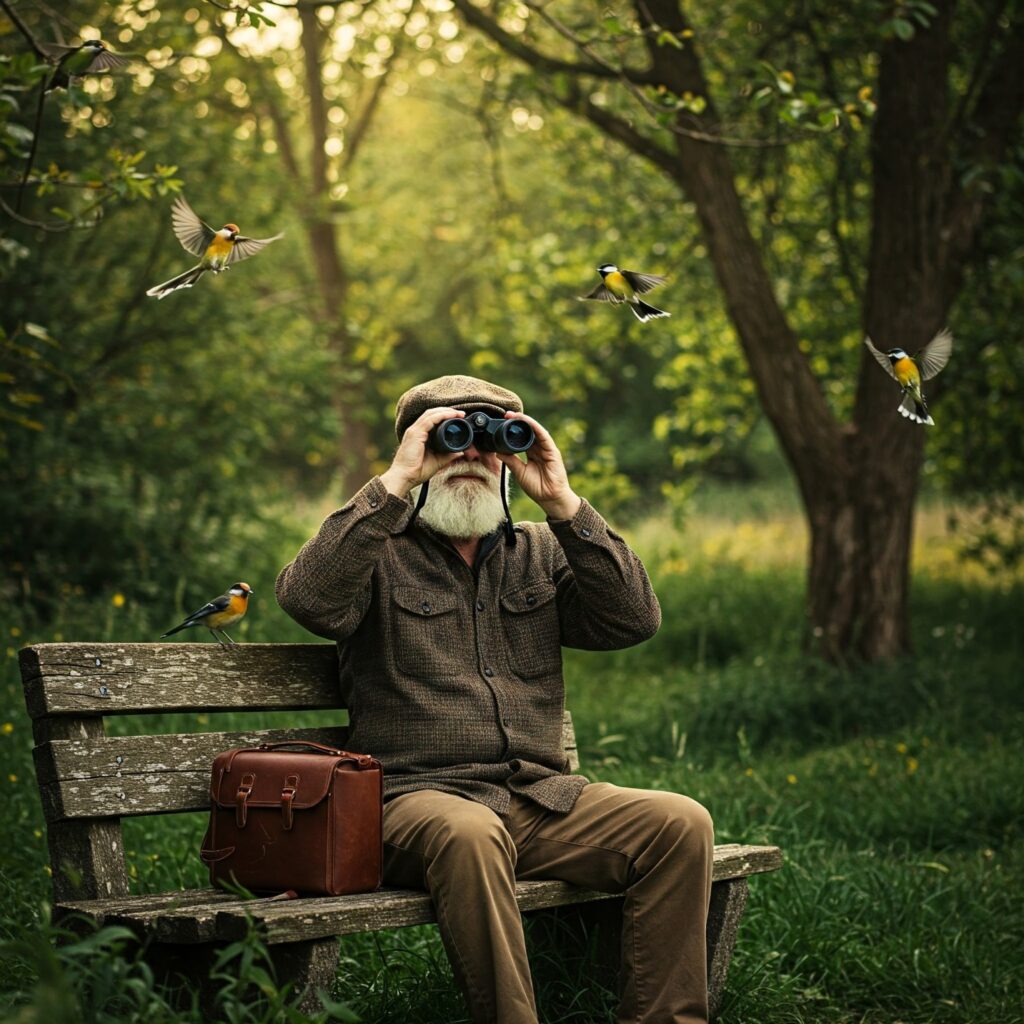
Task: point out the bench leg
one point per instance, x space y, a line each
310 967
728 900
597 927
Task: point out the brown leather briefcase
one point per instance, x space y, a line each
305 820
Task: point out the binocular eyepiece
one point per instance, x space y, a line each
510 437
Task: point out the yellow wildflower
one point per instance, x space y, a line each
864 93
791 779
12 777
901 748
7 728
117 600
911 765
749 771
15 631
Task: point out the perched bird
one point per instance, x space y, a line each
909 372
627 286
217 250
220 613
91 58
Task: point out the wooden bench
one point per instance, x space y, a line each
88 781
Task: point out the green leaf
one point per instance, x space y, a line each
903 29
666 38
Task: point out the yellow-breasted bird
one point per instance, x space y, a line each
909 372
627 286
217 250
219 613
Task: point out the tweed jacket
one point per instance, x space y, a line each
453 675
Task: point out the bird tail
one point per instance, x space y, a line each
915 410
644 311
185 280
178 629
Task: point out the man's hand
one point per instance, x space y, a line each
543 476
414 463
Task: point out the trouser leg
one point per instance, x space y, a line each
658 849
462 854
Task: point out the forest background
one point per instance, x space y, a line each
843 587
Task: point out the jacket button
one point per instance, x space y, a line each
488 671
373 503
426 607
479 606
506 722
585 532
531 599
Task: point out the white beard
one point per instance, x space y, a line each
463 508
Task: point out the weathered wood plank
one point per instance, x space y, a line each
569 742
206 915
132 775
86 857
728 901
110 679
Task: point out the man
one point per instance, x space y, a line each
450 630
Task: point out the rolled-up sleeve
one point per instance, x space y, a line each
605 598
326 587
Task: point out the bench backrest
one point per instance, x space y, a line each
89 780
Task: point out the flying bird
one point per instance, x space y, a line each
909 372
70 62
218 614
217 250
627 286
90 58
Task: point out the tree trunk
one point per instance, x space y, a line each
332 278
858 481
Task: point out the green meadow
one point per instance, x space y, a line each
896 793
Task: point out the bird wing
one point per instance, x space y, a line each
246 247
194 234
107 61
600 294
218 604
881 357
934 356
54 51
643 283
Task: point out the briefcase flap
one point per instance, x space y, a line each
263 778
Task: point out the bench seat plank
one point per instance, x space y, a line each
206 915
111 679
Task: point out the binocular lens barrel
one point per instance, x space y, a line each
489 435
451 436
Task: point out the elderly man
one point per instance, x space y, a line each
450 624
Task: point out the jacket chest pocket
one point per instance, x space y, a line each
529 615
428 641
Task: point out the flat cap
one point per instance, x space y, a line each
466 393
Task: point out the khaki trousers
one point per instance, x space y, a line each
655 847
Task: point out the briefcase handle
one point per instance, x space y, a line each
334 751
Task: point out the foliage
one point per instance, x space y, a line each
895 792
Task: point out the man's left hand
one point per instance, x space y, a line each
543 477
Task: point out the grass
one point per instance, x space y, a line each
896 793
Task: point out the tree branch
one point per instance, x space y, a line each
355 138
543 62
24 30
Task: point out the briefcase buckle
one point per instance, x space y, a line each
244 789
291 785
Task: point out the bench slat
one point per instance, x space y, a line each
196 916
122 776
129 775
114 679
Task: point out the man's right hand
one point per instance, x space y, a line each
414 463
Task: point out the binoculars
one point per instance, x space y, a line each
510 437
